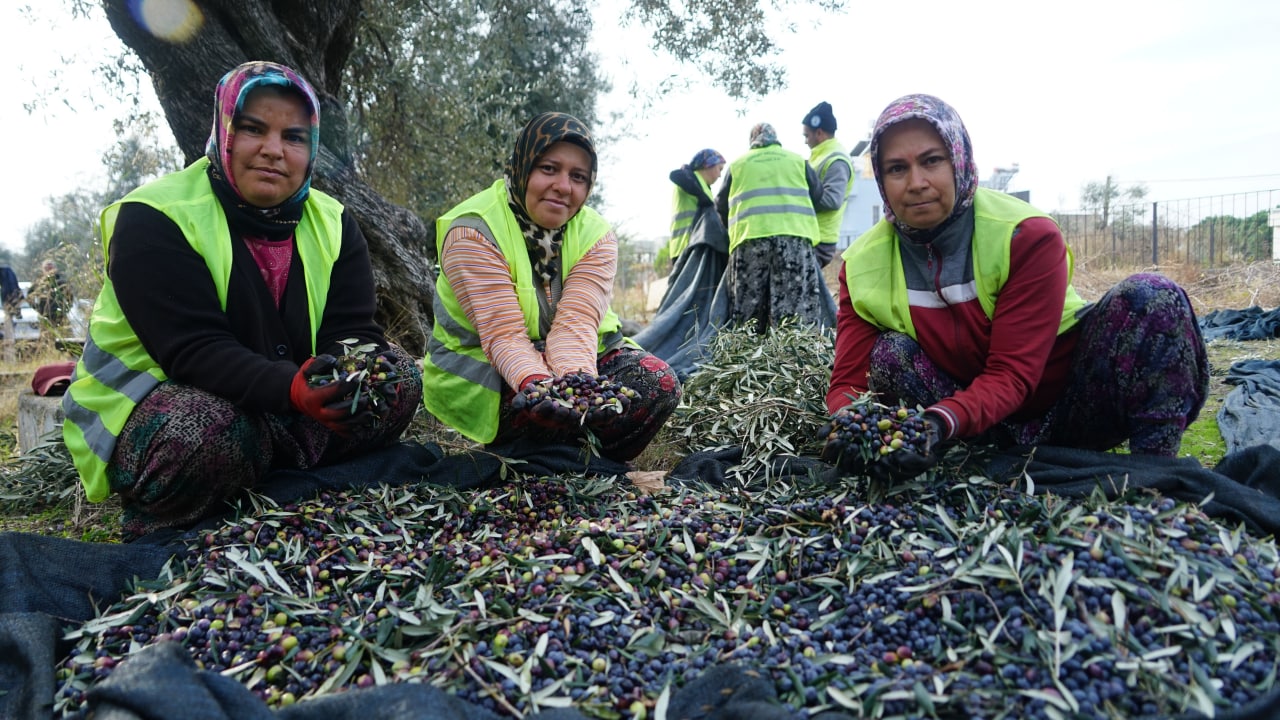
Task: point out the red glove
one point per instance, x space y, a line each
316 393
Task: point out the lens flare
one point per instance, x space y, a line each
174 21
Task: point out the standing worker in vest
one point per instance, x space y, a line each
692 200
835 173
230 288
766 201
961 301
688 315
522 302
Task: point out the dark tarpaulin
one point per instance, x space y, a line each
1250 414
696 303
1252 323
48 582
1244 487
161 681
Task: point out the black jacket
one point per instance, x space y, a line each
250 353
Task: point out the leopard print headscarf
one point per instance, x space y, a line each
537 136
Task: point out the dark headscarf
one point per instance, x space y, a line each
228 102
534 140
707 157
955 138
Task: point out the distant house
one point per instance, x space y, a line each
864 207
1000 178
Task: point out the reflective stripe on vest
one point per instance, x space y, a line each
686 209
115 372
460 387
769 196
878 288
827 152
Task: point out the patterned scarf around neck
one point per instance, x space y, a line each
228 101
537 136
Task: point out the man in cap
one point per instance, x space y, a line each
835 173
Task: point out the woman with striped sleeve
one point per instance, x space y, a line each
522 303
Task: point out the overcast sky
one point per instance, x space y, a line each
1180 95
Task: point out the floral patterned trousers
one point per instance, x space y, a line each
1140 373
185 452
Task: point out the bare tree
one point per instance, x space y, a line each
1101 197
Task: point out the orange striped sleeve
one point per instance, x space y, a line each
573 340
481 280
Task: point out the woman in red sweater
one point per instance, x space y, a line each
960 301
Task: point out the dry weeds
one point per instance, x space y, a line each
1226 288
1235 287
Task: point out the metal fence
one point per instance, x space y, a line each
1206 231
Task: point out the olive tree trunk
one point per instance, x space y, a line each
315 38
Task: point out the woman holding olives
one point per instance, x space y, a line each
961 301
232 288
523 327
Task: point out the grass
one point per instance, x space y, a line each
1203 440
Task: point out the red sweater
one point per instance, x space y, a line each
1013 365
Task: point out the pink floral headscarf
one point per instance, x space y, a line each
947 123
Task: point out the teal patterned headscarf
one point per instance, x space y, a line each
228 102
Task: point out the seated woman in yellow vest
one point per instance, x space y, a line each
526 271
961 301
229 285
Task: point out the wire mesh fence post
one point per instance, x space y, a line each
1213 257
1213 231
1155 234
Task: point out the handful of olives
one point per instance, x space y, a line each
868 431
580 398
374 377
